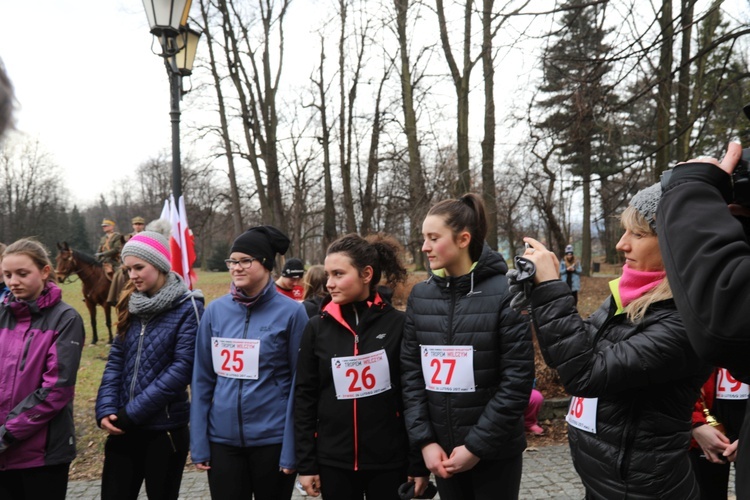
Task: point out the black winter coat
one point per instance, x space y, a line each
469 310
646 377
354 434
706 252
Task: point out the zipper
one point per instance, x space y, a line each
26 351
242 383
171 441
137 359
448 409
354 401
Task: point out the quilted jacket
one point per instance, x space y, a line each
646 378
469 310
147 373
40 350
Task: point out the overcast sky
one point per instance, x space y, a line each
88 85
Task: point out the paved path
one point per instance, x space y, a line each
547 474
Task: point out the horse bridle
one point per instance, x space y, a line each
68 275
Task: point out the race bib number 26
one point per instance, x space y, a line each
235 358
361 376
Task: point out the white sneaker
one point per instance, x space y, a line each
300 489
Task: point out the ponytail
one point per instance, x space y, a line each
465 214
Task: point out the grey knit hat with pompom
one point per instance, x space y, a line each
646 201
151 247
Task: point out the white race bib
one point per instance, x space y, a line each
582 413
360 376
235 358
448 368
728 387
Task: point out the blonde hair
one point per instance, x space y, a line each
635 221
315 282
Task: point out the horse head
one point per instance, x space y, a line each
65 262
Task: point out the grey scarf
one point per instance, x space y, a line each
144 306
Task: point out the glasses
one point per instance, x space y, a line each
245 263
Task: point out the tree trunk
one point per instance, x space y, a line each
234 194
664 93
417 194
488 143
682 119
461 84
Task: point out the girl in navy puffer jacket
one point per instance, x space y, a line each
143 399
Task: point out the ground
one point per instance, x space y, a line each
88 464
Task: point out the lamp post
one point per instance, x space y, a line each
168 21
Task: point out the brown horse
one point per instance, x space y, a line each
95 283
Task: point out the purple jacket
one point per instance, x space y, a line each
40 350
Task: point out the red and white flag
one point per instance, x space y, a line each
181 244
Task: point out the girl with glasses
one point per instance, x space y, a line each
245 357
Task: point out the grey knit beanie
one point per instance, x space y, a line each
151 247
646 201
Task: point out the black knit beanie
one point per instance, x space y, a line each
263 243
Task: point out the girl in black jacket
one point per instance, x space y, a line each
630 368
349 427
467 358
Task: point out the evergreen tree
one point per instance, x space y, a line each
79 238
577 99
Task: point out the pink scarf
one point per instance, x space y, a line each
634 284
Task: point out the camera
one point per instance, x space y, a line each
741 174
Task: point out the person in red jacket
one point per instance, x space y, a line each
717 419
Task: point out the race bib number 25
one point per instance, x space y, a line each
235 358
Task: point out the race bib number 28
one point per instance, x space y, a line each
582 413
235 358
448 368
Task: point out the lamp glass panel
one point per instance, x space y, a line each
163 14
186 56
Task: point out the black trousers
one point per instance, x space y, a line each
488 480
49 482
345 484
158 457
240 473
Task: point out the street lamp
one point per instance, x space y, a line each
168 21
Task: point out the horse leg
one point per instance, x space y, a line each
107 316
92 314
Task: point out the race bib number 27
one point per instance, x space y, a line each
235 358
448 368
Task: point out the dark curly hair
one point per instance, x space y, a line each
379 251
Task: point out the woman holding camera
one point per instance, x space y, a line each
633 375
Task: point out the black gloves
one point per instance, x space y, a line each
520 283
